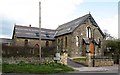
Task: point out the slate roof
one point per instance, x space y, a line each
72 25
5 40
69 27
33 32
87 41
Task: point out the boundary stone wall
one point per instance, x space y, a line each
32 60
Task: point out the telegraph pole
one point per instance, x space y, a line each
40 31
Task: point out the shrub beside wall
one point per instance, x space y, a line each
20 51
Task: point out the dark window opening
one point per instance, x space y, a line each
99 45
26 42
37 34
58 41
36 46
88 32
65 42
47 43
47 35
83 42
61 43
77 41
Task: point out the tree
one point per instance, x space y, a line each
114 45
108 36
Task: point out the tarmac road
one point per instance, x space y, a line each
65 74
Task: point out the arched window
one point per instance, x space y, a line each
61 43
26 42
47 43
65 42
58 41
99 45
35 50
36 46
77 41
88 32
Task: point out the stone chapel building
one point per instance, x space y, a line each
76 37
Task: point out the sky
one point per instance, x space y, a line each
55 13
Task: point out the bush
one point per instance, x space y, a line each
114 46
21 51
80 61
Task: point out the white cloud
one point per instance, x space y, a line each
53 13
26 12
22 11
56 12
110 24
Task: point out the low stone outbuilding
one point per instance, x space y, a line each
29 36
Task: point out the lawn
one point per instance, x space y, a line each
80 60
35 68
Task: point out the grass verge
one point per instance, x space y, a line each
35 68
80 61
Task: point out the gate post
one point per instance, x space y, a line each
89 60
64 56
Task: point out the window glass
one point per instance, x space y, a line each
88 32
77 41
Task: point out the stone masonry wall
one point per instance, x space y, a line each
98 61
81 33
76 51
61 43
33 60
103 62
32 42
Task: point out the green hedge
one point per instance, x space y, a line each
8 51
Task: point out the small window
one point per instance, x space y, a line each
99 45
61 43
26 42
47 35
65 42
58 41
47 43
37 34
36 46
77 41
88 32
